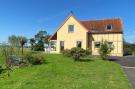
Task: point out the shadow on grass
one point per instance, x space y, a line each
112 59
41 63
86 60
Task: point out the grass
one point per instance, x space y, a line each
133 52
63 73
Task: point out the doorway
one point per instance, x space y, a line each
61 46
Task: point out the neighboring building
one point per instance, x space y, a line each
85 34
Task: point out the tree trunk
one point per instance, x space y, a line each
32 47
22 49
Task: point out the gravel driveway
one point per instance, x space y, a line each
128 65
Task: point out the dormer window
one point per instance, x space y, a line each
109 27
70 28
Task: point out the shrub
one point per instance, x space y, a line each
77 52
127 51
4 71
88 51
66 52
17 61
38 59
10 57
6 50
34 58
105 50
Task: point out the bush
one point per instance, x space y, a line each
66 52
17 61
76 53
6 50
34 58
88 51
105 50
4 71
127 51
38 59
10 57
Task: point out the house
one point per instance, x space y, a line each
89 33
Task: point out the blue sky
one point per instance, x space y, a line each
27 17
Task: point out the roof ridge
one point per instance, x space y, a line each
101 19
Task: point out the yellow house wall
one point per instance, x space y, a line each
116 38
79 34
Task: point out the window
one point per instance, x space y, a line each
110 44
97 44
79 44
53 45
71 28
109 27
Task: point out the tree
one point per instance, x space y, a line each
39 46
41 38
128 48
105 50
46 39
40 35
22 41
17 41
32 42
13 40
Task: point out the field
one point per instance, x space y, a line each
60 72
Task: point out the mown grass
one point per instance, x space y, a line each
133 52
63 73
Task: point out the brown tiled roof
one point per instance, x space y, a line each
98 26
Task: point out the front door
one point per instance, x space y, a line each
61 45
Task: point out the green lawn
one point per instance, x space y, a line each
133 51
63 73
